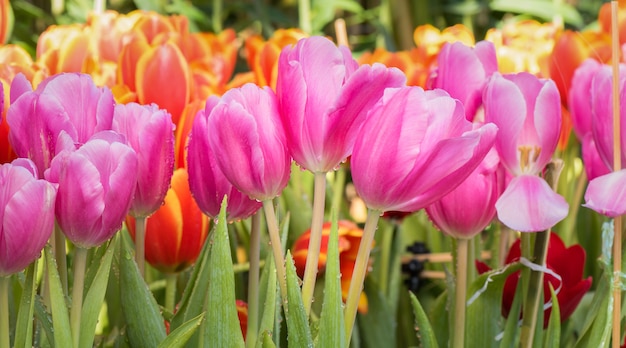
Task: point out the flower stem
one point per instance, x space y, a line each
304 13
272 226
339 186
460 292
80 261
140 244
5 283
315 241
61 256
170 291
253 281
360 268
217 15
385 255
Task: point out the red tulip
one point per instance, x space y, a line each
568 263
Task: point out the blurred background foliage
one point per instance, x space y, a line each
371 23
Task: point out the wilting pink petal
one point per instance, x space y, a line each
606 194
529 205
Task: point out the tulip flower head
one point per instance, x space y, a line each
246 136
176 232
528 112
26 215
206 180
150 132
324 97
567 263
415 147
96 186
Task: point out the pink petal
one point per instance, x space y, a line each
606 194
578 99
547 120
529 205
19 86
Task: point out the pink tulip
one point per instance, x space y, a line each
68 103
415 147
96 186
469 208
579 98
206 180
26 215
528 112
606 194
463 72
150 132
246 136
594 165
324 97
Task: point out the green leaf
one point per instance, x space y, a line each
423 328
181 335
511 327
60 316
145 326
485 300
298 332
266 340
543 9
95 295
440 320
24 324
597 328
332 331
222 326
553 334
271 296
44 321
377 328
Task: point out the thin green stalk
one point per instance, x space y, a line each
304 13
315 241
80 263
170 291
535 286
360 268
385 255
339 185
467 18
61 256
462 246
272 227
5 283
140 244
217 15
253 281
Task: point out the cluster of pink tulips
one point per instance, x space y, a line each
478 145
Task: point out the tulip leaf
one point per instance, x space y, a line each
179 337
299 334
484 302
511 327
377 326
95 295
597 328
440 319
58 305
543 9
331 327
145 327
266 340
24 325
553 334
271 296
423 328
44 322
222 327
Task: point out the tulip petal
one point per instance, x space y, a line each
529 205
606 194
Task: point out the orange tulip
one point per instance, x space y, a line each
416 63
432 39
242 313
604 18
183 128
349 239
176 232
5 8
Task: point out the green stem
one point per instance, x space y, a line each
253 281
535 287
360 268
5 283
272 227
460 292
140 244
304 13
385 255
338 188
217 15
99 6
315 241
170 291
61 256
80 261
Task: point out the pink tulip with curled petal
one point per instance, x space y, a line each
606 194
527 110
26 215
207 182
324 97
579 98
68 102
96 184
474 64
246 136
150 132
415 147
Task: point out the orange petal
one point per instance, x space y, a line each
183 128
163 78
128 59
151 24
